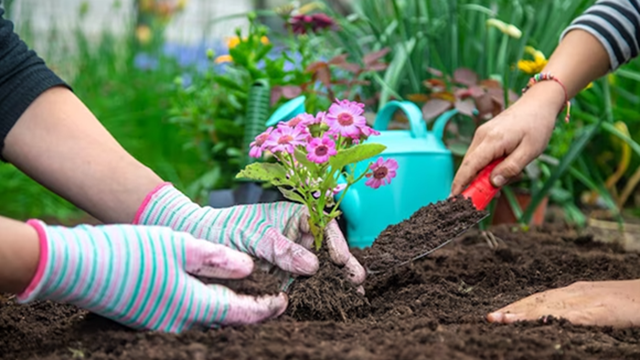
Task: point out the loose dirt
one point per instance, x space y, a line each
433 308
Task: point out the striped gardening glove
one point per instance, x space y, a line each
139 276
277 233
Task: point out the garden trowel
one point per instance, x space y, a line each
481 191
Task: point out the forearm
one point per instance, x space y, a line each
579 59
59 143
19 254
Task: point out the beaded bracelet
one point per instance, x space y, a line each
547 76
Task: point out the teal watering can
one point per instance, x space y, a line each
424 175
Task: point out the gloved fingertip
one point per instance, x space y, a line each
354 271
337 244
244 309
218 261
303 262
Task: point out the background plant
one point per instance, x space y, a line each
213 107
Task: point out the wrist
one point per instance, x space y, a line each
546 95
19 255
38 259
166 206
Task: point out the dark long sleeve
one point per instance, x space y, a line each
23 77
616 24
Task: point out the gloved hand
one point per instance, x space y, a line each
139 277
275 232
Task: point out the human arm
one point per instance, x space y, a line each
139 276
586 52
61 144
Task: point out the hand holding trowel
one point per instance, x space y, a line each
448 221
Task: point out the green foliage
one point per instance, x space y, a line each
217 110
130 102
355 154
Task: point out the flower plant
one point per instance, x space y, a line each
316 157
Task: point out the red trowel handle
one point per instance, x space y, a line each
481 191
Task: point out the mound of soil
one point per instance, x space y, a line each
432 308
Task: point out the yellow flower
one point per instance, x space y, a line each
534 66
223 59
307 8
505 28
181 4
143 34
234 41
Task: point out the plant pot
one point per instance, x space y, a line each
503 214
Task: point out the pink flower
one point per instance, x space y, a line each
302 119
321 149
345 118
335 191
320 117
257 146
285 138
369 131
382 171
339 188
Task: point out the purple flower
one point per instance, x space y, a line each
285 138
257 146
345 118
301 24
321 149
382 171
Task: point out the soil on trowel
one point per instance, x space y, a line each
424 231
432 308
327 295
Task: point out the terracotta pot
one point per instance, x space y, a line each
504 215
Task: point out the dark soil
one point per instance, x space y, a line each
426 230
328 295
257 284
432 308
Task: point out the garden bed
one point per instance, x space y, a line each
433 308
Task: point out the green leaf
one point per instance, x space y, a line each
302 159
355 154
273 173
291 195
565 163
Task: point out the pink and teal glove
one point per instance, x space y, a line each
139 277
277 232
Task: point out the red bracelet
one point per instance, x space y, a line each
547 76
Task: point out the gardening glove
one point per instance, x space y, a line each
139 276
276 232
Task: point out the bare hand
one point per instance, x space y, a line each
601 303
522 132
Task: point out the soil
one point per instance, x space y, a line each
426 230
432 308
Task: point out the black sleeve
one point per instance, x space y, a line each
23 77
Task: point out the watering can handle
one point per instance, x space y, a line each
441 123
481 191
413 112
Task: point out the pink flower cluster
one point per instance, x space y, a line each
322 136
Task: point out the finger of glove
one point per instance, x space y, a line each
354 272
207 259
287 255
244 309
298 226
337 244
